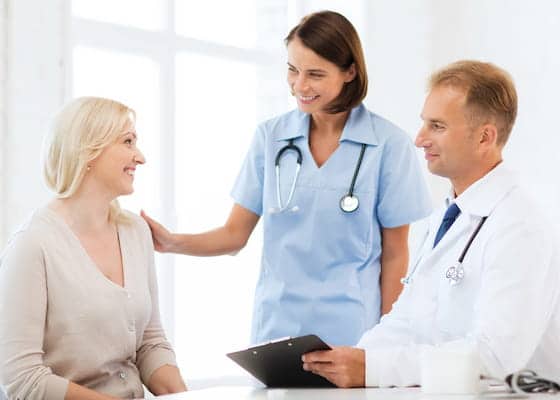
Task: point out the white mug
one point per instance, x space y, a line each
450 370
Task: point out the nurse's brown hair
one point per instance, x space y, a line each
331 36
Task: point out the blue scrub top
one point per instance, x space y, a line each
321 266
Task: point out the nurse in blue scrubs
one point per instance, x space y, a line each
337 187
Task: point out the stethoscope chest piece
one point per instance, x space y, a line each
455 274
349 203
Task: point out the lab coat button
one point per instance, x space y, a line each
122 375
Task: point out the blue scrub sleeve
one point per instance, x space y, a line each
248 188
403 195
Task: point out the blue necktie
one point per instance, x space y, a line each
448 219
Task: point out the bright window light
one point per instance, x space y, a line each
215 120
143 14
133 80
218 21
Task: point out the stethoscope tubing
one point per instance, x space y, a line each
291 146
408 279
471 239
292 188
356 171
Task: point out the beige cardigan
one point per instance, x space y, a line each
62 320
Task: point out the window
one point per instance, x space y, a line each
199 92
212 295
117 75
143 14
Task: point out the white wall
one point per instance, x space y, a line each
404 41
408 39
34 90
524 38
3 67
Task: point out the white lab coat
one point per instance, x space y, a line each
506 305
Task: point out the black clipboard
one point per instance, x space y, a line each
278 363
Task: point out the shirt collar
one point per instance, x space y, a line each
359 127
484 195
294 126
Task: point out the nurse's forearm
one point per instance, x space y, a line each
230 238
391 273
212 243
394 263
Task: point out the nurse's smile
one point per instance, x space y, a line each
307 99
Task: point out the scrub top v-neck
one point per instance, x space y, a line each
320 266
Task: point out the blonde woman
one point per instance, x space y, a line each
79 314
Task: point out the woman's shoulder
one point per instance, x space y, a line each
135 224
40 223
133 221
31 236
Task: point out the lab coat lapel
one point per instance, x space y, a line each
443 253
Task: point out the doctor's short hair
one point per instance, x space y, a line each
490 93
82 129
331 36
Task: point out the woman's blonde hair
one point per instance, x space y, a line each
80 132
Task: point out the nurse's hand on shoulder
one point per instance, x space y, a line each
163 239
343 366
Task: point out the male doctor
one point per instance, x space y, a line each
503 299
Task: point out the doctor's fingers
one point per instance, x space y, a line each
320 368
318 356
338 355
338 379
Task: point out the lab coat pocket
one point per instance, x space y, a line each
454 315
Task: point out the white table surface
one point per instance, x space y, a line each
260 393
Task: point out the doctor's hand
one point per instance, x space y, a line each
163 239
343 366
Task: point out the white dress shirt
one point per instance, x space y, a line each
506 304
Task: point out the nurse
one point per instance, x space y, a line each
336 228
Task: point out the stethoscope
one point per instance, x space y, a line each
456 272
348 203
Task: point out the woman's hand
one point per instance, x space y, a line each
163 239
